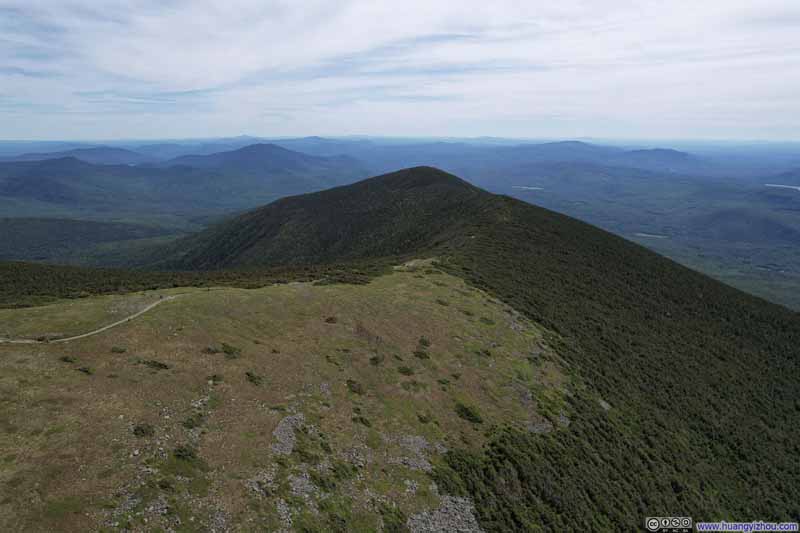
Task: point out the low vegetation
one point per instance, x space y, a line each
468 413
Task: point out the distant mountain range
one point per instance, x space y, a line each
101 155
380 157
472 159
301 171
225 180
711 210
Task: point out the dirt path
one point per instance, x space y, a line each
94 332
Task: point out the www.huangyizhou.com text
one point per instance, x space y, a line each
747 526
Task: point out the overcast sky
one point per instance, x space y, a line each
528 68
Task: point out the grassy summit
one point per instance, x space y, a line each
646 389
329 401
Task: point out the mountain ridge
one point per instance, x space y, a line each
254 157
236 243
103 155
234 179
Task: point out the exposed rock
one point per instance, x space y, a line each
263 483
453 515
284 434
358 456
325 389
219 522
200 404
158 506
127 504
544 426
302 487
285 515
418 449
414 463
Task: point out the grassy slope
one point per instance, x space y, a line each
70 459
704 411
70 317
29 284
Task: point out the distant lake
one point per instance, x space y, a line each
651 236
795 187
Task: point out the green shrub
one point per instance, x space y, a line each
144 430
253 378
394 520
468 413
185 453
152 363
355 387
231 352
413 386
194 421
362 420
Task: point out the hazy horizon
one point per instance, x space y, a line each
110 70
653 142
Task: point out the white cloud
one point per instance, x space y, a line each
718 68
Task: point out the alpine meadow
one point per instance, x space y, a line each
474 268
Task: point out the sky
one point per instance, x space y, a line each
672 69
